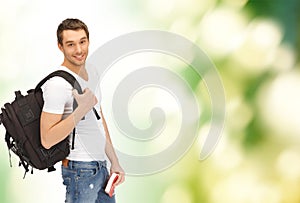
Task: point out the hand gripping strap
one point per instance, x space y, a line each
74 83
71 79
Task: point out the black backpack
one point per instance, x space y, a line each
21 119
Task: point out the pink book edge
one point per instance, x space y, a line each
109 189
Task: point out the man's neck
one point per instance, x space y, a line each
79 70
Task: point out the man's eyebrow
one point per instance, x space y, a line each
70 41
67 42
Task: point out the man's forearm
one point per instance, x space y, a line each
109 149
111 154
51 135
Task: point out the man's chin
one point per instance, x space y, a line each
78 63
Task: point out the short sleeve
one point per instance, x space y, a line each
57 95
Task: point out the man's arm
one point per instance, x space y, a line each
54 129
111 154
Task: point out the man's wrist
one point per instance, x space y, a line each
78 114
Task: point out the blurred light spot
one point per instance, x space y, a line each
236 3
265 33
169 10
227 156
244 186
284 164
220 30
279 105
161 8
176 193
241 112
284 58
193 8
257 49
185 27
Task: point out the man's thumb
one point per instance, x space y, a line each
75 93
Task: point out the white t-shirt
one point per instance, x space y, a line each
90 135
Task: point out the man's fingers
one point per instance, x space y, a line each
75 93
121 179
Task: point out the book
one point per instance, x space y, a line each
110 187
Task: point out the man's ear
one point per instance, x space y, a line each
60 46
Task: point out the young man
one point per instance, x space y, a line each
84 171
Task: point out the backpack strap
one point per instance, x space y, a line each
74 83
67 76
64 74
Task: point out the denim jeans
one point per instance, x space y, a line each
85 182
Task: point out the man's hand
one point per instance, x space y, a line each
86 101
116 168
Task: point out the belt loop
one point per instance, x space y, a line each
101 164
71 164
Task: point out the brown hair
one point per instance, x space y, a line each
70 24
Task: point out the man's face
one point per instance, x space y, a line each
74 46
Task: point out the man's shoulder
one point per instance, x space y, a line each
58 82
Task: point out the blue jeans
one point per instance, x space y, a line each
85 182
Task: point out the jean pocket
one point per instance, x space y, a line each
87 173
66 181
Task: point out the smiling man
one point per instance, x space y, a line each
84 171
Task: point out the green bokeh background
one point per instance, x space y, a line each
255 47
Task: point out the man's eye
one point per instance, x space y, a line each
82 42
70 45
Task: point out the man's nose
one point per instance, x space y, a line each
78 48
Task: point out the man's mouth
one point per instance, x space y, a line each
79 57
